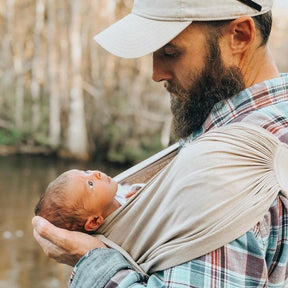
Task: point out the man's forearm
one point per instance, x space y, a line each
97 267
107 268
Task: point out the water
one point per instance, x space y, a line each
22 262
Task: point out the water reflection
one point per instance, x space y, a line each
22 263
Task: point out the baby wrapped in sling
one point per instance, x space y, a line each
214 191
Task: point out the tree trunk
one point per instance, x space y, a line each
53 60
19 106
6 43
64 68
77 134
37 67
18 67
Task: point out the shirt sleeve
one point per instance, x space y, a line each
97 267
236 265
257 259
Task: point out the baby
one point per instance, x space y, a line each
80 200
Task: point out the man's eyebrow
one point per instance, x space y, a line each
169 45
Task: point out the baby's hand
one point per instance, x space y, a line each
131 193
134 188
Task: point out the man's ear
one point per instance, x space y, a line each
243 33
93 223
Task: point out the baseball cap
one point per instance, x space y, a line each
153 23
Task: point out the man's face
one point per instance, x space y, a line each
195 76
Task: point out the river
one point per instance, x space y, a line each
22 179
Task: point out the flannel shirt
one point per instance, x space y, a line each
259 258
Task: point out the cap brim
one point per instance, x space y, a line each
134 36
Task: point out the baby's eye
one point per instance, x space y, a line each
90 183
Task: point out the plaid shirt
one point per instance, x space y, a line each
257 259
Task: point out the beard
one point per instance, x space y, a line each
215 83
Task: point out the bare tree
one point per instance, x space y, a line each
53 60
37 63
77 134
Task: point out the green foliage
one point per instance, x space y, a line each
10 137
14 137
124 149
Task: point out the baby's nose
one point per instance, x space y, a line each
97 174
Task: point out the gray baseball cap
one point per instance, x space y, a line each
153 23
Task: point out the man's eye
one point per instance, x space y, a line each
171 52
90 183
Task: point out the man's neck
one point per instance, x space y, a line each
259 67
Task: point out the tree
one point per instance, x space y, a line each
77 134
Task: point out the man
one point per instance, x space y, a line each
214 59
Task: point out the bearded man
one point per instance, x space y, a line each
214 59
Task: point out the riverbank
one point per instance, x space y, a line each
25 150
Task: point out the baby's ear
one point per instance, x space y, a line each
93 223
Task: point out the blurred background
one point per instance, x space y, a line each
66 103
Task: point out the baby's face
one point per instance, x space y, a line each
96 189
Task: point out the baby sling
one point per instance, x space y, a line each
210 193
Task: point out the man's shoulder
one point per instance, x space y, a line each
273 118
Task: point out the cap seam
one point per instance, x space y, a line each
188 19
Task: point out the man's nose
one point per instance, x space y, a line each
161 71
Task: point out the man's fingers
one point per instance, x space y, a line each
49 232
42 226
62 245
48 248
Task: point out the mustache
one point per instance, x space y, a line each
169 87
176 90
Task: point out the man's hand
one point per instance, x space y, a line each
62 245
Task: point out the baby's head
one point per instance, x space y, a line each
78 200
